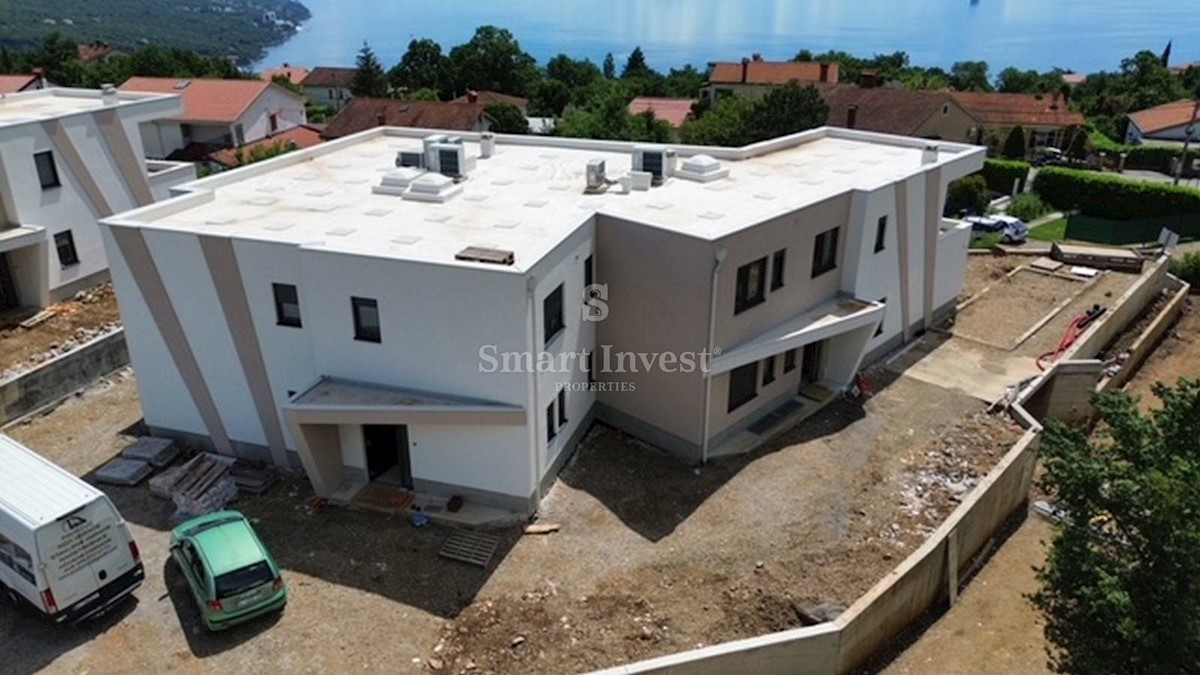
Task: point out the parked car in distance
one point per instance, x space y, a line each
65 550
1015 230
1047 156
229 570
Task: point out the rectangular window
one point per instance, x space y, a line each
239 135
768 370
552 314
789 361
743 385
591 367
879 331
65 243
47 170
751 285
562 407
287 305
551 432
825 252
366 319
777 269
589 275
273 119
880 233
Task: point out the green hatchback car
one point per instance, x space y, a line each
232 575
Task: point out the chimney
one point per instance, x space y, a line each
109 95
472 96
745 70
824 72
851 116
380 119
869 78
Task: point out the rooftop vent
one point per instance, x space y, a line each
702 169
410 159
597 177
658 162
930 154
491 256
487 144
432 187
109 95
396 182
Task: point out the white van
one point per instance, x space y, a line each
64 548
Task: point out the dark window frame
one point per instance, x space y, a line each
825 247
742 375
768 370
789 361
362 332
589 276
551 432
68 244
881 234
553 322
746 297
591 367
879 330
47 172
562 408
778 266
281 317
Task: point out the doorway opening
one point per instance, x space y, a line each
8 291
388 461
810 363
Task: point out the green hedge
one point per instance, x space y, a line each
1000 174
1187 267
1109 196
1142 157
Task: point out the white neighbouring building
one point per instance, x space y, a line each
328 310
69 157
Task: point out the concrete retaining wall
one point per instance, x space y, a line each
1067 396
62 375
1122 312
1149 339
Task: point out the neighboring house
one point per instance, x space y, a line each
489 97
69 157
1168 122
924 114
218 113
457 334
673 111
293 74
365 113
1074 79
329 87
11 84
296 138
1043 117
95 52
754 77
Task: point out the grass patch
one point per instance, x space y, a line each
1055 230
985 240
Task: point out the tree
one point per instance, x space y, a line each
736 122
506 118
369 79
286 82
1014 144
970 76
726 123
1119 587
635 65
423 66
493 60
605 115
967 195
1016 81
610 66
685 82
423 94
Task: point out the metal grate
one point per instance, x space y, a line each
475 548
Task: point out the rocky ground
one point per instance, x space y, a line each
85 317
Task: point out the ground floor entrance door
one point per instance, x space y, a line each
810 363
8 292
386 447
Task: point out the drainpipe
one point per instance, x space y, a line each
718 259
534 408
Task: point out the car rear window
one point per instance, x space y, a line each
244 579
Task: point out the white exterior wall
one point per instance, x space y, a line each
1134 135
333 98
256 121
869 275
952 263
161 138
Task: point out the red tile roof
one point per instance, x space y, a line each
1033 110
884 110
11 84
361 114
294 74
1074 78
301 137
490 97
207 101
1165 116
674 111
332 78
772 72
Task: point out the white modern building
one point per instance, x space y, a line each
69 157
428 325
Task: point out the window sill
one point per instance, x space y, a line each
69 265
738 309
368 339
292 325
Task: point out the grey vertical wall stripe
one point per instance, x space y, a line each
933 221
65 148
227 278
901 192
133 168
145 274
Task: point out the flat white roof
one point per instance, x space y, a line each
35 490
43 104
528 197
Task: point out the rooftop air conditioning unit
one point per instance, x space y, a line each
427 146
451 160
658 162
414 160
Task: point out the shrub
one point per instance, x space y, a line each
1157 158
1028 207
1014 145
1000 174
1108 196
968 194
1187 267
1102 143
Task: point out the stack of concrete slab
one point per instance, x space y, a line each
157 452
123 471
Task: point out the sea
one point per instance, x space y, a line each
1077 35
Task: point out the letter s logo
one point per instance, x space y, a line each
595 307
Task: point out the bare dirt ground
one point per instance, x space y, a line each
1104 291
1178 355
653 557
74 322
985 270
1007 310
